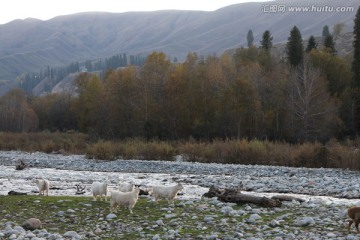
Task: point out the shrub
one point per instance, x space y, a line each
48 146
102 151
344 155
158 151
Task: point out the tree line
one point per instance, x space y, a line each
310 95
53 75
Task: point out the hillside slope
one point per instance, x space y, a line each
31 44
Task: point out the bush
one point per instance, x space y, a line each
102 151
48 146
158 151
344 155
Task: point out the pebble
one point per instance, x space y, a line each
111 216
72 235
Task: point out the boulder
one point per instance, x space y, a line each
32 224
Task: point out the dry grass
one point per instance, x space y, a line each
333 154
131 149
71 143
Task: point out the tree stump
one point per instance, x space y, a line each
80 188
213 192
20 166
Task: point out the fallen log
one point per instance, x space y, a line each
235 195
287 198
248 198
213 192
16 193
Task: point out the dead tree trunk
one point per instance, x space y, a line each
248 198
287 198
235 196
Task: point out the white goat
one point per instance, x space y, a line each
43 186
166 192
126 199
126 186
99 189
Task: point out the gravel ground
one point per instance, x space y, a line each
327 194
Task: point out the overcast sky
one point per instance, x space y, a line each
46 9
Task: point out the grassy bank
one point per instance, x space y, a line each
65 213
185 220
333 154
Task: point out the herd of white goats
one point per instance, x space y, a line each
127 194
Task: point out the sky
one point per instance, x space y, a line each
47 9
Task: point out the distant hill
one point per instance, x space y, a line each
31 44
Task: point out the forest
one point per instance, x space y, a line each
54 75
307 94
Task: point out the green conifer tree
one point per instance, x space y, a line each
356 44
295 48
356 76
311 44
325 31
266 42
250 38
330 44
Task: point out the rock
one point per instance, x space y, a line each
72 235
226 210
160 222
254 217
331 235
30 235
274 223
32 224
171 215
208 219
60 214
111 216
305 221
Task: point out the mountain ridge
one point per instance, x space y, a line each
30 44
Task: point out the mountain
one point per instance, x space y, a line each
31 44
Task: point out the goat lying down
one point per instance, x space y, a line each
166 192
126 199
